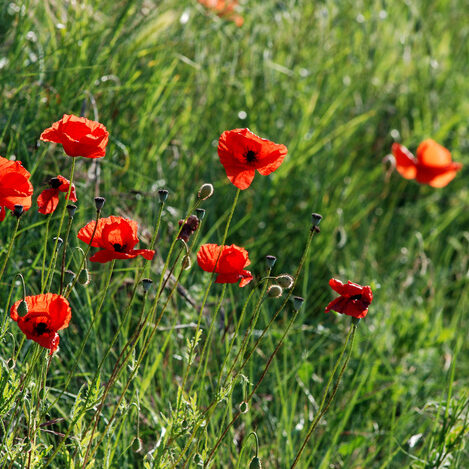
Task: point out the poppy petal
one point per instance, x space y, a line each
432 154
47 201
405 161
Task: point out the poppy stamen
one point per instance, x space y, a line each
117 247
356 297
250 156
55 183
41 328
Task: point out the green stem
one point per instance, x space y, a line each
64 252
321 411
44 252
10 247
62 216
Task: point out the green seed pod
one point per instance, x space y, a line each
270 261
84 277
99 203
255 463
297 302
163 194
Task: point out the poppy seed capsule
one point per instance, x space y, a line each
99 203
275 291
84 277
205 191
285 281
316 219
163 194
23 308
71 210
255 463
146 283
200 213
270 261
297 302
18 210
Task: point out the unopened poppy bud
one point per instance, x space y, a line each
270 261
255 463
70 276
147 283
244 407
18 210
205 191
84 277
274 291
355 321
285 281
297 302
316 219
71 210
99 202
60 241
23 308
163 194
186 262
200 213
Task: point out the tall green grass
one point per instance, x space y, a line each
337 82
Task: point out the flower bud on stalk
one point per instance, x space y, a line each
84 277
186 262
297 302
200 213
255 463
60 241
285 281
205 192
275 291
23 308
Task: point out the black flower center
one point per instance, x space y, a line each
118 248
55 183
356 297
41 328
250 156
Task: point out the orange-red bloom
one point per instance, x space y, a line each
47 314
15 187
78 136
241 152
231 263
353 300
116 236
49 198
433 165
224 9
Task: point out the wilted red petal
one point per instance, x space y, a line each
47 201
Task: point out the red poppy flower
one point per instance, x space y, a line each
47 314
224 9
433 165
353 300
79 136
49 198
241 152
231 263
116 236
15 187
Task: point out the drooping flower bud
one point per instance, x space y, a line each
270 261
84 277
147 283
297 302
244 407
60 241
23 308
274 291
255 463
200 213
71 210
186 262
205 191
18 210
99 203
188 228
285 281
163 194
69 276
